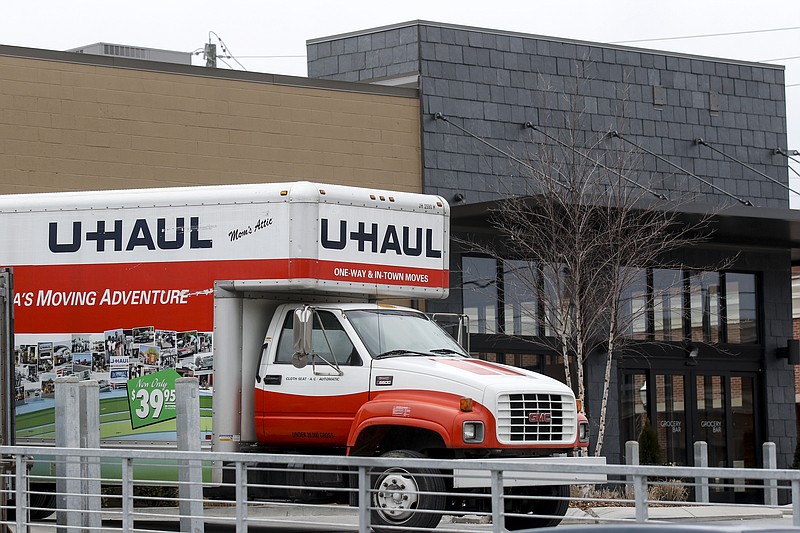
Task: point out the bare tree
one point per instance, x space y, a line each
586 237
582 240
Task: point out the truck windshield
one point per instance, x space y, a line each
394 332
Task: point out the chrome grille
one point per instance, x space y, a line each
535 418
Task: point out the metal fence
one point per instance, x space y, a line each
121 489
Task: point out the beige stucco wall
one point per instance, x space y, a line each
75 126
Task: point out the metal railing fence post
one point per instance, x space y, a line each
241 496
640 497
364 525
498 502
701 461
796 502
21 483
770 463
68 469
127 494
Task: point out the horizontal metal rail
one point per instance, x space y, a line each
639 489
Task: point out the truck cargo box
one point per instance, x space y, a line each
94 261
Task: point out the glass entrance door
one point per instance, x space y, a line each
710 421
726 421
742 399
671 417
683 408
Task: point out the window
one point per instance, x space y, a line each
549 365
334 339
658 304
704 306
479 289
389 330
521 303
667 304
740 308
633 305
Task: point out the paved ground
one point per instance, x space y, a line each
694 513
284 518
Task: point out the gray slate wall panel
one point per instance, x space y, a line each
619 83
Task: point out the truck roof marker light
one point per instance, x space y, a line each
284 193
439 204
465 405
322 192
372 197
391 198
383 198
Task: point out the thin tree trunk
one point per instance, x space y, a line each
601 431
565 357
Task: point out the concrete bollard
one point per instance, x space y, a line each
89 395
68 471
632 459
701 461
190 475
771 463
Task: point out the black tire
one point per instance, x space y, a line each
395 495
44 502
554 508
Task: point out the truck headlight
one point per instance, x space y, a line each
472 432
583 432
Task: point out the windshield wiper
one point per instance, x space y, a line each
448 351
397 353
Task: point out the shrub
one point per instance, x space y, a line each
649 447
144 496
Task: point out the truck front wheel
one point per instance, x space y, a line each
398 494
551 501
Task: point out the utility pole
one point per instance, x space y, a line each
210 52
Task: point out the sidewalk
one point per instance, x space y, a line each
688 513
343 518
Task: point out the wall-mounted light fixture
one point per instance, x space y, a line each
791 352
692 351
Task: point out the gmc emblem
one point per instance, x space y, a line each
537 418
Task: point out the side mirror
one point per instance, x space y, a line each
299 360
303 327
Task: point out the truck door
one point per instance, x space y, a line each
314 405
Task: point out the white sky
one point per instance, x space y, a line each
253 29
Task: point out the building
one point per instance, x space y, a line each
74 121
367 116
491 83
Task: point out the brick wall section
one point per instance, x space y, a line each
77 126
796 335
492 82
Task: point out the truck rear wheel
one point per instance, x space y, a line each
41 500
397 495
552 501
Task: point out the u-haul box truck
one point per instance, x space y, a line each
270 295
